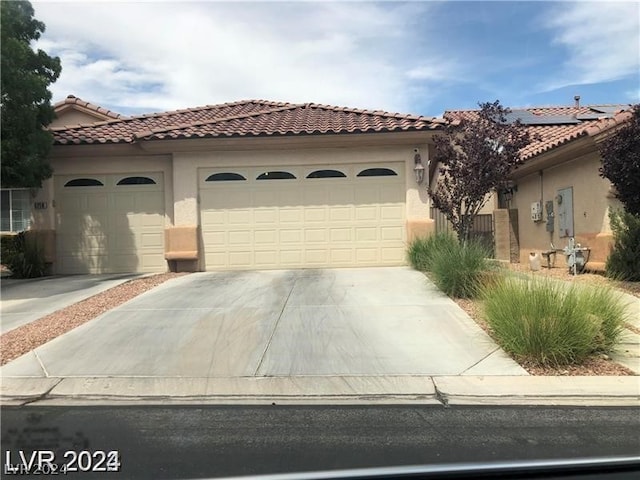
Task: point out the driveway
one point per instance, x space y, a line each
367 321
24 301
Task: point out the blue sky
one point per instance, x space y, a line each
410 57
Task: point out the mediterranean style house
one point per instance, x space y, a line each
245 185
256 184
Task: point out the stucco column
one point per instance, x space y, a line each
182 239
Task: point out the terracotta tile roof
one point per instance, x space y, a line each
589 120
73 100
240 119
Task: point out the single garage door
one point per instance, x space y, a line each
302 217
110 223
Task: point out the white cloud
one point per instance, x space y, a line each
172 55
602 40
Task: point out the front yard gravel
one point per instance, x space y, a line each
24 339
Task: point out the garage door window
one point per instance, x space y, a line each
377 172
277 175
84 182
137 181
326 174
224 177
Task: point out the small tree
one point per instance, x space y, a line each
25 103
476 156
621 162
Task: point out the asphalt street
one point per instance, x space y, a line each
210 441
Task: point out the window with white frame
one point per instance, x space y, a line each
16 210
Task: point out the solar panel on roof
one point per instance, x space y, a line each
608 108
593 116
528 118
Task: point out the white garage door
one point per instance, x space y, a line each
110 223
297 217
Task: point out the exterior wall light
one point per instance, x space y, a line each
418 168
508 189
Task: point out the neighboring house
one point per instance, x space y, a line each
16 203
249 184
558 193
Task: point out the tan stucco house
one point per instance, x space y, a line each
243 185
557 193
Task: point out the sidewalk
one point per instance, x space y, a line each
409 389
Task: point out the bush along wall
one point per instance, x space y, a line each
23 256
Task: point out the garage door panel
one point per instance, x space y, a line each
265 237
153 261
240 259
212 218
99 202
265 259
290 215
149 202
240 237
316 256
239 217
312 235
264 197
341 235
367 234
366 213
368 195
391 233
152 241
269 216
366 255
341 256
313 214
316 222
340 214
290 258
343 195
315 195
291 236
391 212
392 254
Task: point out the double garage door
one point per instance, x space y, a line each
293 216
110 223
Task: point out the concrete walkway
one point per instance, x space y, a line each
23 301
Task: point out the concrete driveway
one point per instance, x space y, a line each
368 321
24 301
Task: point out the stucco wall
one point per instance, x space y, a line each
73 117
591 203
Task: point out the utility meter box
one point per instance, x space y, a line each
536 211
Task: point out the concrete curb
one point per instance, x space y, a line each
424 390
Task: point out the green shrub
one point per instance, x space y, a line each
421 250
460 269
549 323
24 257
8 247
623 262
